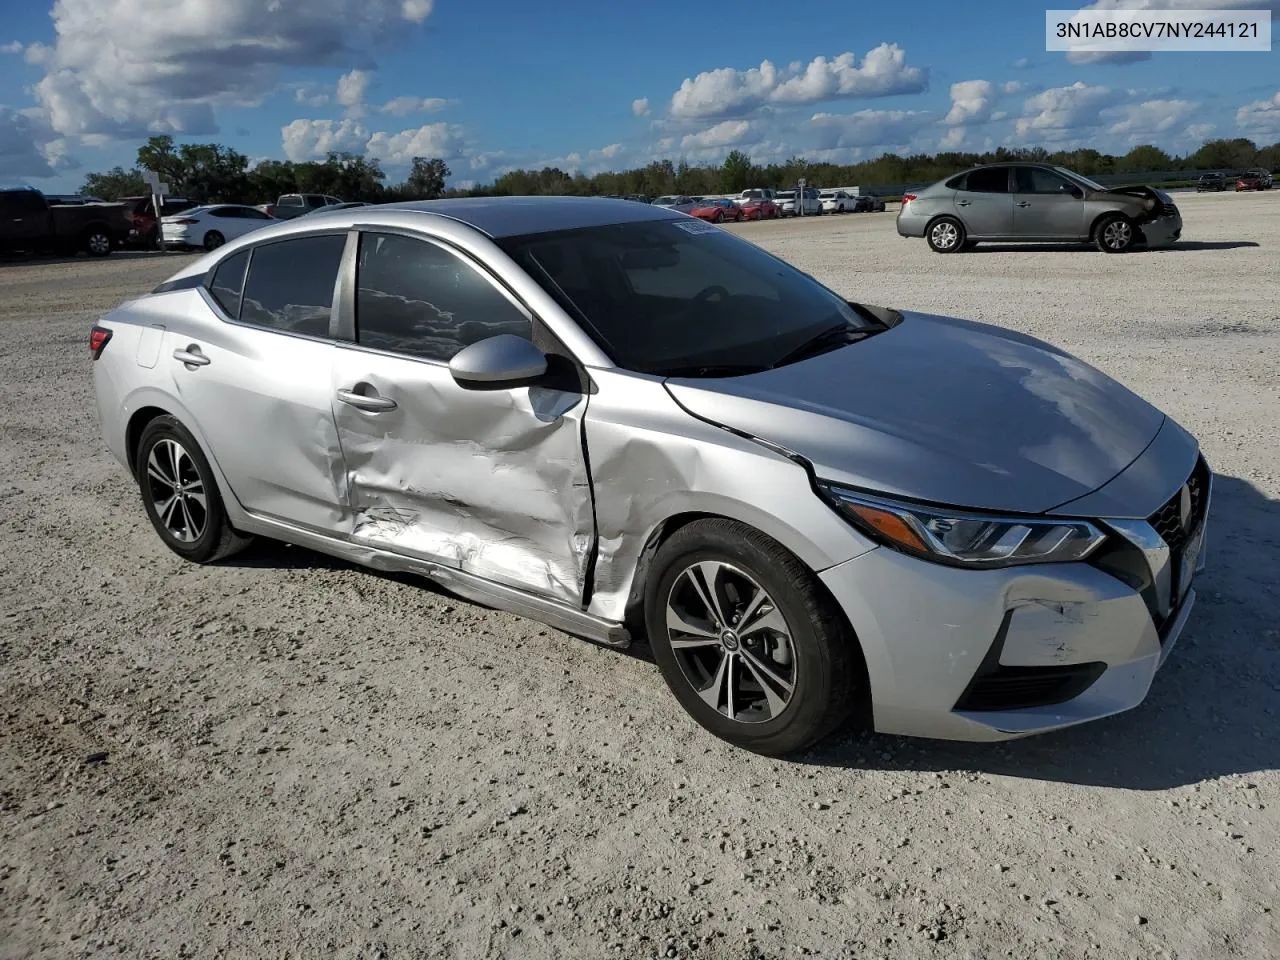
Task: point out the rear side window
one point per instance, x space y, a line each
419 299
994 180
290 284
315 201
228 283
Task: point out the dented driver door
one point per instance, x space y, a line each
491 482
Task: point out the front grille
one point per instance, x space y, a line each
1168 520
1017 688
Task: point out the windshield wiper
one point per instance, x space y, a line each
823 342
712 370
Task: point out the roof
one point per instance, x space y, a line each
514 216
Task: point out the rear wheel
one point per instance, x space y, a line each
213 240
748 641
946 235
180 496
1115 234
97 242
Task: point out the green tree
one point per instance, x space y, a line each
427 177
1226 154
736 173
159 155
114 184
1144 159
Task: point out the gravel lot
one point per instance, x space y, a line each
285 756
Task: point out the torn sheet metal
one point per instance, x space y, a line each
490 482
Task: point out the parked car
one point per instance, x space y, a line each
755 193
1211 183
30 224
1255 179
1034 202
212 226
866 203
291 205
759 208
142 213
837 201
679 203
810 205
717 210
758 487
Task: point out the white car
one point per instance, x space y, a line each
213 225
787 202
837 201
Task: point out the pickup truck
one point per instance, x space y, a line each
28 222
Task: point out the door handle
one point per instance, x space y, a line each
191 356
963 203
374 404
1024 203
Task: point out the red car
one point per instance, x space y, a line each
717 211
760 208
143 214
1256 179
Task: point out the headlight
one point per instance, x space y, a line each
967 539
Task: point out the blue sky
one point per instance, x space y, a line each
590 86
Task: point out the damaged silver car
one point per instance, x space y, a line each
630 424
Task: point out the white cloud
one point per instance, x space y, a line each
1059 112
640 107
124 68
1118 57
870 128
1022 63
432 140
1262 117
728 92
352 88
313 139
307 94
723 134
14 46
403 106
1149 119
970 101
29 148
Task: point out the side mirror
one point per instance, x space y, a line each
497 363
1075 191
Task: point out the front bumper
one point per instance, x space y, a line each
997 654
1163 231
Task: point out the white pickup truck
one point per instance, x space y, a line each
811 204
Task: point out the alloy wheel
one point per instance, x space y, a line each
731 641
99 244
177 491
1117 234
945 235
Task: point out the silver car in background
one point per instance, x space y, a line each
633 425
1034 202
681 204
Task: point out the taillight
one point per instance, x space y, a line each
271 210
185 220
98 338
907 198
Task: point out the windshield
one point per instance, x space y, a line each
1080 179
666 201
665 296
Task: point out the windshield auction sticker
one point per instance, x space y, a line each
696 226
1144 31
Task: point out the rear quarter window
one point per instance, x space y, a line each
227 283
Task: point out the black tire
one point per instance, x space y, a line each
97 242
208 540
945 235
826 669
213 240
1115 233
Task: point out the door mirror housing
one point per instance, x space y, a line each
1073 190
497 363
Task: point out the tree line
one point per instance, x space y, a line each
210 172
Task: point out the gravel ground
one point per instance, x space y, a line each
285 756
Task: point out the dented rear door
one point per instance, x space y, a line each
491 482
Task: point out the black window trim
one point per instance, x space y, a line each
1009 182
346 332
338 285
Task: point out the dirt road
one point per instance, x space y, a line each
285 756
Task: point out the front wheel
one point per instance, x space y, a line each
213 240
748 641
97 242
1115 234
946 235
180 495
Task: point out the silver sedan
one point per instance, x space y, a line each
634 426
1037 203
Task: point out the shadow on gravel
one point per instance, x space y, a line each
1182 246
1212 709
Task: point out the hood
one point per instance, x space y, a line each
1152 197
942 410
